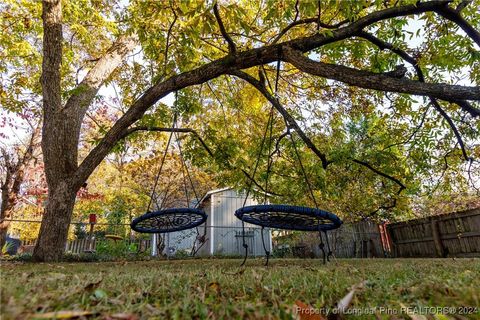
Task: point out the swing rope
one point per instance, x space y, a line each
188 177
245 246
176 218
161 164
269 131
241 212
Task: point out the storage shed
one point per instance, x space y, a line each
224 229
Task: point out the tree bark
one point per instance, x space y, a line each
55 223
61 128
379 81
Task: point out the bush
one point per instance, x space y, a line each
182 254
7 248
82 257
281 252
22 257
116 249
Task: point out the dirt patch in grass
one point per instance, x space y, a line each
220 289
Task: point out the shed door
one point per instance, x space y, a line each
249 240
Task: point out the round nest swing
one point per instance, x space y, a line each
173 219
289 217
169 220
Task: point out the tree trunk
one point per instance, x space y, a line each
4 210
52 239
59 143
61 128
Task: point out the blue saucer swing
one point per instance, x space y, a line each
172 219
280 216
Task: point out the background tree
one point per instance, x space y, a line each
15 161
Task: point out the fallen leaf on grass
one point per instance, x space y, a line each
26 275
214 286
240 272
305 312
92 286
343 304
53 276
122 316
99 294
62 315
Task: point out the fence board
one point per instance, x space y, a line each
453 235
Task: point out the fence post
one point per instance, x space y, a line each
437 239
391 241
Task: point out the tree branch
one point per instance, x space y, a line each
449 120
231 45
455 16
160 129
259 186
169 32
369 166
415 131
288 118
378 81
306 21
245 59
405 56
383 207
384 45
86 91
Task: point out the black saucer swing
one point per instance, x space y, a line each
280 216
172 219
169 220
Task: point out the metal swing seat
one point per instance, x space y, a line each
171 219
289 217
286 217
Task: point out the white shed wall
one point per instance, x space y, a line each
224 229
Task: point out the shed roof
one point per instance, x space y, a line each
209 194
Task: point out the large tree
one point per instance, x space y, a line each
338 50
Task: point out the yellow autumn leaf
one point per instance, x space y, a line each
61 315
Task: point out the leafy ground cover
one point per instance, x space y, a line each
220 289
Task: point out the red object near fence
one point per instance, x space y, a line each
92 218
384 237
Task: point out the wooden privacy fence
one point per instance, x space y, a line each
449 235
357 240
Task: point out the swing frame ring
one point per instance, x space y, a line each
289 217
169 220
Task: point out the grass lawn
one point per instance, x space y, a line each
220 289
